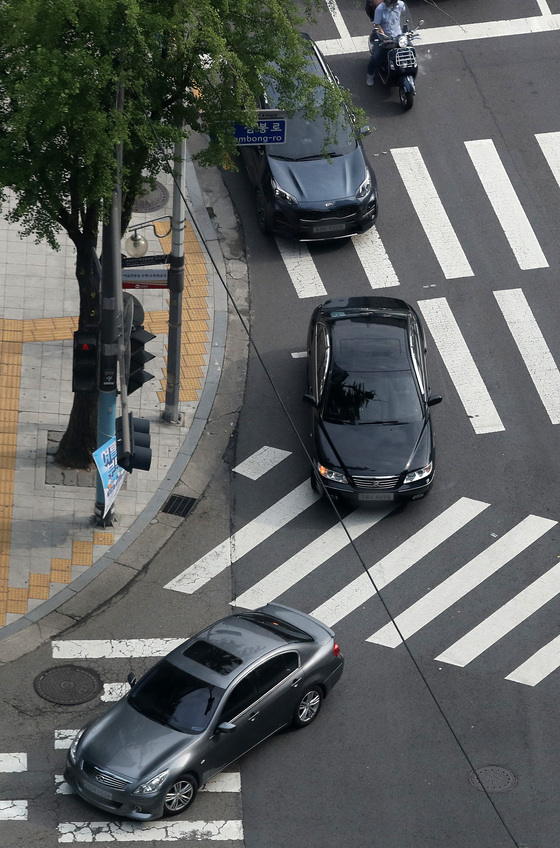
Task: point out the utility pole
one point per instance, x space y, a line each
176 284
111 335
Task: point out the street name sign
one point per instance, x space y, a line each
270 129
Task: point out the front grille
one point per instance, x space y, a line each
376 482
105 778
311 215
405 58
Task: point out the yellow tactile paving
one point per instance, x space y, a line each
39 587
101 538
82 553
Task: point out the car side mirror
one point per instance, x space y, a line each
364 131
131 679
310 399
434 399
225 727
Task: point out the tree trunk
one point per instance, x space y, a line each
80 439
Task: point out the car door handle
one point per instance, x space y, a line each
296 682
253 716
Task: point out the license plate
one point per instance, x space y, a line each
329 228
376 496
91 787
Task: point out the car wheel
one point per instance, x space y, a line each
308 707
263 216
180 795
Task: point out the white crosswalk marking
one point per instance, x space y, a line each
540 665
63 738
244 540
10 763
505 619
71 649
13 810
374 259
461 366
158 831
261 462
301 268
114 691
506 204
533 348
550 146
467 578
308 559
399 560
431 213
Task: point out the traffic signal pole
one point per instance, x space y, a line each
176 284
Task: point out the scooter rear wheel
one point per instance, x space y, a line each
406 98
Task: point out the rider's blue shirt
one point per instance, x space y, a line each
390 19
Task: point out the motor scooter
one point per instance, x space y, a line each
399 65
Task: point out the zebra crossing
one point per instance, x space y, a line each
414 552
494 183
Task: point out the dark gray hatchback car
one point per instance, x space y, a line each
205 704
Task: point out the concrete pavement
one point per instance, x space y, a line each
55 565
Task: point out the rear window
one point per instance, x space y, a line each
287 632
212 657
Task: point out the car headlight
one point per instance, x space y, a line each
329 474
151 785
282 194
73 750
365 186
419 474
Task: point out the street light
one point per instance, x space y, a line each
136 245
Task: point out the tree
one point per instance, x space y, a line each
185 65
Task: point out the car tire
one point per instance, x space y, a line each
308 707
180 795
263 213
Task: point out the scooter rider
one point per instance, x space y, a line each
387 22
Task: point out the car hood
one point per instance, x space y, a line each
321 180
128 743
374 449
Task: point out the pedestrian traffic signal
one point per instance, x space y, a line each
139 454
135 339
85 364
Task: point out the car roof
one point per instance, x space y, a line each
222 651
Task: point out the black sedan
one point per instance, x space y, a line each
368 387
196 711
300 194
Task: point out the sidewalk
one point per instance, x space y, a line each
49 548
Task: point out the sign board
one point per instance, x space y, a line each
112 475
144 278
270 129
138 262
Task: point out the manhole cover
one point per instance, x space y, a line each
152 199
67 684
178 505
493 779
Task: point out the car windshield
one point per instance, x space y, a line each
173 697
368 397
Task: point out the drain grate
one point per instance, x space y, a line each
178 505
493 779
67 684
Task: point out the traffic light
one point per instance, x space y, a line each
85 364
140 454
136 337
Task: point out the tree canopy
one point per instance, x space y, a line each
184 65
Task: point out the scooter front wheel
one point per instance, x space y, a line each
406 98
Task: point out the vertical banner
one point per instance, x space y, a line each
111 474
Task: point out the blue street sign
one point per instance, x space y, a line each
267 131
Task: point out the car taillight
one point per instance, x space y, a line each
336 650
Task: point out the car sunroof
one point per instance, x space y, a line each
212 657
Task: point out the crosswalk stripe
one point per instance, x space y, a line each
374 259
505 619
158 831
114 691
244 540
308 559
13 810
533 348
10 763
399 560
506 204
539 665
63 738
338 20
260 462
431 213
301 268
550 146
458 584
461 366
71 649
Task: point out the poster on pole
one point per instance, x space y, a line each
112 475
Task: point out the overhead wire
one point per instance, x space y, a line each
332 503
